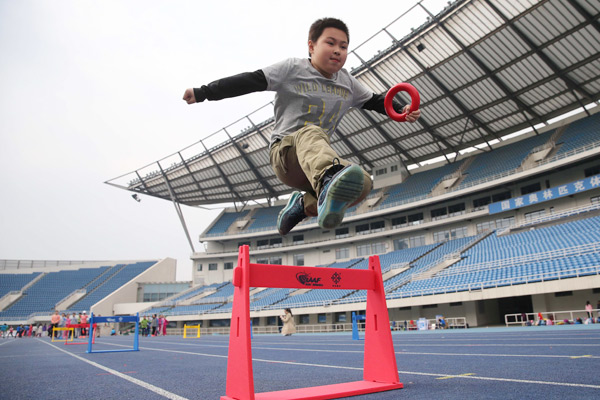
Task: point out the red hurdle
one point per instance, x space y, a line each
380 372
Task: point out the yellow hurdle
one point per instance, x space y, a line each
186 327
69 338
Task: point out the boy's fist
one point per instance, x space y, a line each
411 116
189 97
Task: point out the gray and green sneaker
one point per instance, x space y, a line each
341 186
292 214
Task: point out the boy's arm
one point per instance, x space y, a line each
233 86
376 103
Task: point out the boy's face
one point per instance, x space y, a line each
329 52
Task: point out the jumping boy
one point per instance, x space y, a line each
312 95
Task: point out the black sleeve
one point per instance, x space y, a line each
376 104
233 86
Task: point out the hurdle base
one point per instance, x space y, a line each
334 391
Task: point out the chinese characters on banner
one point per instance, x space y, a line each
544 195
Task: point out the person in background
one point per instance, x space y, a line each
84 320
165 323
289 327
144 326
589 308
161 320
54 320
154 324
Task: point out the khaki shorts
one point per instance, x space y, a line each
300 161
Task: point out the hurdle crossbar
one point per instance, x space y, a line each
98 320
186 327
380 372
70 334
81 326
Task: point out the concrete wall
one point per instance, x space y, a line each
162 271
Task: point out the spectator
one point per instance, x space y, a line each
160 325
54 320
144 326
442 323
289 327
154 324
165 323
589 308
84 320
63 323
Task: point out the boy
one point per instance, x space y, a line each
312 95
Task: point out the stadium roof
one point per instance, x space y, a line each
484 69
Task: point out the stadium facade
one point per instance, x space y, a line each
500 236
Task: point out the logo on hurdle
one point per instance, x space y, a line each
307 280
336 278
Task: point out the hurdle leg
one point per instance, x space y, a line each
380 358
240 378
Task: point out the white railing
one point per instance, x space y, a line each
555 316
424 272
517 280
397 325
557 215
487 179
29 264
399 265
587 147
209 300
541 147
77 291
525 259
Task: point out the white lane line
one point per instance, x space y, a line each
425 344
138 382
579 385
397 352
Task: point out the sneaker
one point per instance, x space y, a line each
292 214
341 187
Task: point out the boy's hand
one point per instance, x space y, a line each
189 97
411 116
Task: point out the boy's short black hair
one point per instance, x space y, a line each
317 28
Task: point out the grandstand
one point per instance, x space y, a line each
489 205
32 291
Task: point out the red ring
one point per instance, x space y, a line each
415 100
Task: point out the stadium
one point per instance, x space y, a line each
484 214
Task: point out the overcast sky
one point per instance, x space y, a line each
91 90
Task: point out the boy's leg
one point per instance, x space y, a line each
302 159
